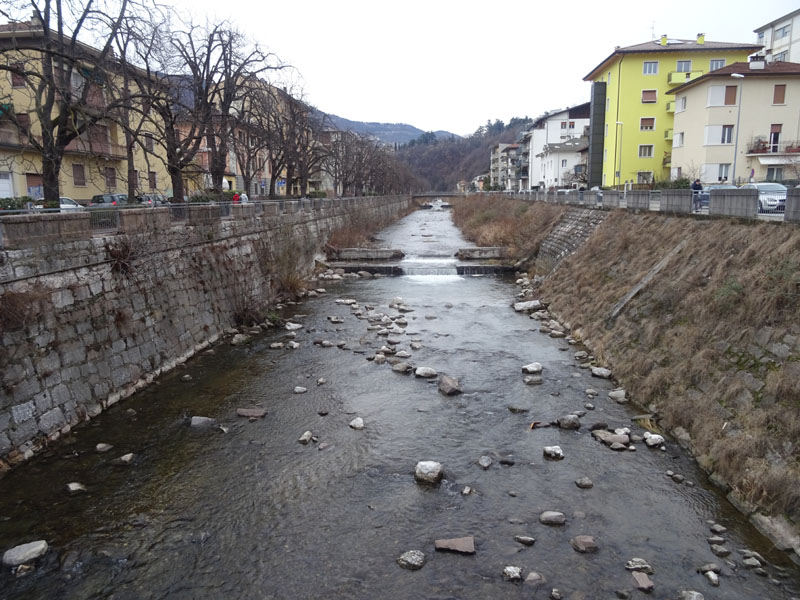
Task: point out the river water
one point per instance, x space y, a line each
252 513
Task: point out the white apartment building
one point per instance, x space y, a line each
781 38
558 162
553 127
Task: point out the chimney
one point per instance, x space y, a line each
757 63
701 39
664 39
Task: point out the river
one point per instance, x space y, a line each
249 512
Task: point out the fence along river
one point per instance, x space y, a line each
245 511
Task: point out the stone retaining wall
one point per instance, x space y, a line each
575 227
87 322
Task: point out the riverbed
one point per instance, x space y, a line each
242 510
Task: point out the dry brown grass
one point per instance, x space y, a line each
359 229
491 221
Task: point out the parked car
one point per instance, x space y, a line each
109 200
152 200
64 204
771 196
704 195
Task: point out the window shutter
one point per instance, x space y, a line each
775 128
779 95
730 95
648 122
649 95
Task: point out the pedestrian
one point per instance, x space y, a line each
243 198
236 197
697 187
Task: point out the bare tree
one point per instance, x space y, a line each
251 140
68 85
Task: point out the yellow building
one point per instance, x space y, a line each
93 163
632 112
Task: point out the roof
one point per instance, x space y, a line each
773 69
778 20
673 45
510 147
573 145
578 111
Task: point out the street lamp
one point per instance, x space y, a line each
619 166
738 114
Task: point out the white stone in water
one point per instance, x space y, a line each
425 372
527 306
601 372
618 395
428 471
622 431
639 564
240 339
712 577
690 595
357 423
293 345
412 560
512 573
327 344
125 459
276 345
322 381
416 345
653 440
24 553
467 491
202 421
554 452
300 390
379 359
485 462
101 447
74 487
532 368
305 438
552 517
532 380
403 354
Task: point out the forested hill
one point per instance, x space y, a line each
442 163
388 133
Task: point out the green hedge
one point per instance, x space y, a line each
15 203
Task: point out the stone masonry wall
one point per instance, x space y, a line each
86 323
567 236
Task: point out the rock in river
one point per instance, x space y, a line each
584 483
525 540
532 368
251 413
553 452
305 438
601 372
569 422
512 573
449 386
428 471
240 339
584 544
485 462
642 581
300 390
462 545
401 367
639 564
552 517
25 553
412 560
425 373
357 423
201 422
74 487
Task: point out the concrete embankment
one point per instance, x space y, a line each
699 321
86 320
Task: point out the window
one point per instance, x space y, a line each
774 173
111 177
609 77
724 169
677 140
646 151
650 67
774 136
716 63
24 123
647 124
563 124
17 80
606 133
148 142
680 105
760 37
572 124
644 177
684 66
151 180
727 134
782 32
649 96
781 56
78 175
605 154
563 162
77 81
779 94
608 103
722 95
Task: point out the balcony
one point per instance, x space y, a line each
9 138
667 161
676 78
671 107
98 148
764 147
668 134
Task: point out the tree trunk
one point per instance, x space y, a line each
51 166
272 194
175 176
132 179
289 179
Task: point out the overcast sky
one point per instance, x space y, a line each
453 64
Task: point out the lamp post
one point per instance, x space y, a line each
619 166
738 115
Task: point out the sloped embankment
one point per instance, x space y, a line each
710 343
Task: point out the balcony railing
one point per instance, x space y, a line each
671 107
9 138
681 77
668 134
782 147
82 146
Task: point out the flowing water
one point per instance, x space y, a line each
251 513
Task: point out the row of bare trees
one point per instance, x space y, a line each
174 89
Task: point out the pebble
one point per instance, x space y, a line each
712 577
718 529
125 459
525 540
678 478
553 452
720 551
601 372
642 581
584 483
103 447
512 573
569 422
24 553
357 423
186 377
462 545
425 373
467 491
589 406
584 544
428 471
532 368
412 560
293 345
322 381
300 390
74 487
305 438
639 564
251 413
449 386
485 461
551 517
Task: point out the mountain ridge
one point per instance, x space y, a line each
388 133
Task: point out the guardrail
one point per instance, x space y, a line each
739 202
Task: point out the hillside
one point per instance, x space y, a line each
443 163
388 133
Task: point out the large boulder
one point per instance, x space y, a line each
428 471
24 553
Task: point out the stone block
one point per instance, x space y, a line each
5 444
51 421
22 432
23 412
